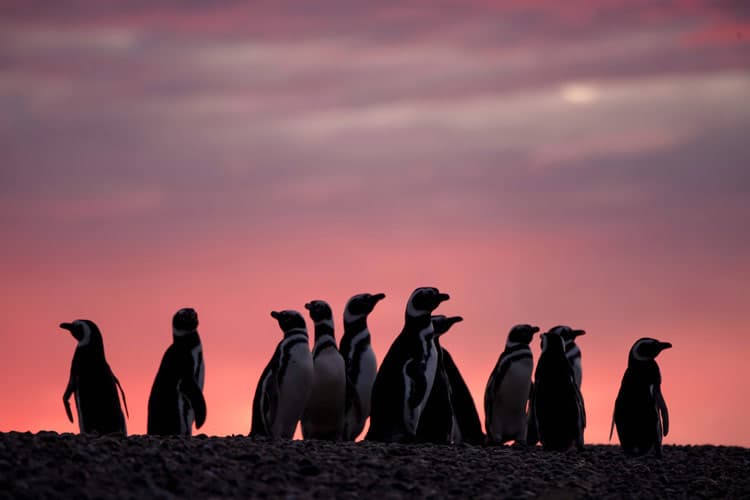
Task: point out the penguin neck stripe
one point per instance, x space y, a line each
573 351
182 333
86 335
359 337
325 322
351 318
295 332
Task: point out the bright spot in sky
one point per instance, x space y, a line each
578 93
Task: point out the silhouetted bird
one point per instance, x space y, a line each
641 414
284 387
324 415
360 362
176 398
93 383
557 401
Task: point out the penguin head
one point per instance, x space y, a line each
84 331
424 300
290 320
567 333
442 323
361 305
184 321
646 349
552 343
522 334
319 310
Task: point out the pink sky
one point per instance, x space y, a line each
579 164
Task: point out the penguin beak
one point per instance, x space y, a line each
442 297
308 306
578 333
275 314
534 329
69 327
455 319
664 345
377 297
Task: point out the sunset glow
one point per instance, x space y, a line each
548 163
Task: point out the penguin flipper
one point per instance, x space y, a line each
270 403
122 393
612 426
581 406
417 395
488 392
69 412
66 398
662 407
352 408
194 395
532 436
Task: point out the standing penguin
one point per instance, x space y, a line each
641 414
557 401
93 383
176 398
324 415
437 422
284 387
407 374
572 351
508 387
359 358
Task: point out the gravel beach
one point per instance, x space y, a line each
48 464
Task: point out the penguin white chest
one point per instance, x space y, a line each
515 386
329 379
368 369
199 368
295 387
428 365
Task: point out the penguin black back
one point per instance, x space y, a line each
641 414
93 383
176 398
438 417
468 425
558 405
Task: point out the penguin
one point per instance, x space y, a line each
641 414
285 385
359 358
508 388
437 422
176 399
404 380
557 402
93 383
467 427
324 415
572 351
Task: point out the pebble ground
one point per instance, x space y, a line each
51 465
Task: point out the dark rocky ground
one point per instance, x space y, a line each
66 465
